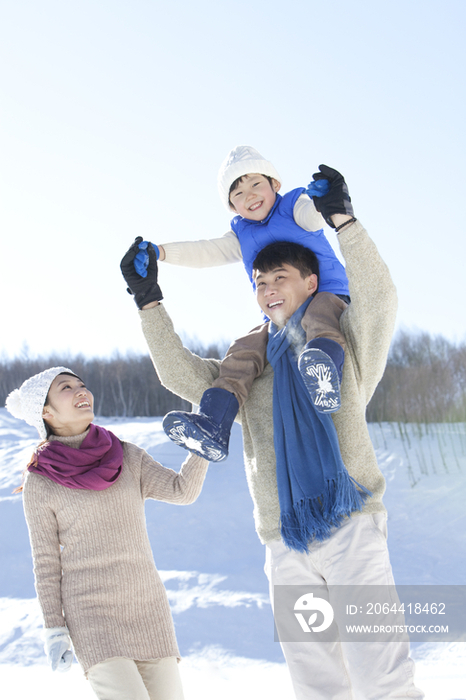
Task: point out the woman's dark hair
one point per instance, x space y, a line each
285 253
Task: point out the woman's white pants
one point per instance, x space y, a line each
124 679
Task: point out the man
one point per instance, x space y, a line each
356 552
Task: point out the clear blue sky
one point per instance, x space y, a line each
115 117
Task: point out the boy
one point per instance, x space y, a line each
249 185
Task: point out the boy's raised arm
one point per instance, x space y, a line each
203 253
306 215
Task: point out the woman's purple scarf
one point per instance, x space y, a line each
95 465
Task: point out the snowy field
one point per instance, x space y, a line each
212 563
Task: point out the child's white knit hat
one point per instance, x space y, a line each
242 160
28 401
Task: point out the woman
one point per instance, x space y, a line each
94 572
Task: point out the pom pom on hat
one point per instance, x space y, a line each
27 402
13 403
242 160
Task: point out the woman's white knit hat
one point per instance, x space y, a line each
28 401
242 160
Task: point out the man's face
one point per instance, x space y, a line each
254 197
281 291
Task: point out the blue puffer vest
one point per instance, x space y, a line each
280 226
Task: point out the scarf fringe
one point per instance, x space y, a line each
315 518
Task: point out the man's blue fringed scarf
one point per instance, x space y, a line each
314 488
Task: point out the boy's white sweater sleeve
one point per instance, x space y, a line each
204 253
306 215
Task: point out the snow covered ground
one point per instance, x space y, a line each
212 564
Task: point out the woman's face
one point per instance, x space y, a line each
69 406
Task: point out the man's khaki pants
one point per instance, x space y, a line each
355 555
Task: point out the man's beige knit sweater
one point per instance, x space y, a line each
93 564
368 326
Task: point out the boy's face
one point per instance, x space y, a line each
254 197
281 291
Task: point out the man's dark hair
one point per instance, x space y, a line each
277 254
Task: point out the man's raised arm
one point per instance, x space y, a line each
178 369
369 320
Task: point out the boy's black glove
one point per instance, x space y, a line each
337 200
143 289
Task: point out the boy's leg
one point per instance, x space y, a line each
207 433
244 361
321 362
322 318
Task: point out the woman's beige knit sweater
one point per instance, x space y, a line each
368 326
93 564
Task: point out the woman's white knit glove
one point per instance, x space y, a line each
58 648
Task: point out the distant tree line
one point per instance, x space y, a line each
424 382
123 385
